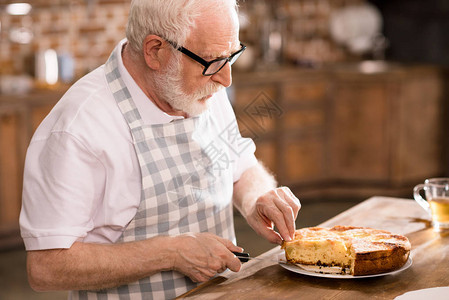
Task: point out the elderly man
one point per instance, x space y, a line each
122 197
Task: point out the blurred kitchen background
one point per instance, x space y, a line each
345 99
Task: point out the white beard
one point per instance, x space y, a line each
169 83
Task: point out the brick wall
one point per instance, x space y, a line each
87 32
304 26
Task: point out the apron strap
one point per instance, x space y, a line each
122 95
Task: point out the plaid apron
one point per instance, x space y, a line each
183 190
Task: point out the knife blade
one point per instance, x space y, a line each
245 257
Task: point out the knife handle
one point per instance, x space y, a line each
242 256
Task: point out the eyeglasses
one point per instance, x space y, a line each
214 66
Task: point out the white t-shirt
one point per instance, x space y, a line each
82 177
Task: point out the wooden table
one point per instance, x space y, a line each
268 280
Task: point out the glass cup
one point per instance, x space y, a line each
436 201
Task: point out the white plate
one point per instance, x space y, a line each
299 270
436 293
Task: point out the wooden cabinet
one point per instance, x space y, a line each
387 127
304 104
12 145
347 133
19 118
279 109
358 131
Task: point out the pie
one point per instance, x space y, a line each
356 250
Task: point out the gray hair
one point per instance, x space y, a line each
169 19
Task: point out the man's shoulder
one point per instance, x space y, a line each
86 108
89 90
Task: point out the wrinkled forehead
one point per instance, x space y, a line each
216 26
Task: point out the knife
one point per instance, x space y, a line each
244 257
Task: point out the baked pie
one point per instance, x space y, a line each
358 250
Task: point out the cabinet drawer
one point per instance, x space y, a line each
304 92
303 160
245 96
260 114
255 127
303 119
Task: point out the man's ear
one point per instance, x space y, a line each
154 51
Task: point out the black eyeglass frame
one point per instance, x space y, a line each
206 63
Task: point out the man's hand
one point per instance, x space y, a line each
265 206
201 256
278 207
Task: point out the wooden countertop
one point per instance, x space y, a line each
268 280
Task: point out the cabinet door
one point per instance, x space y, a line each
359 137
420 130
305 91
12 152
257 109
303 160
302 150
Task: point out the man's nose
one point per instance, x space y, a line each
224 76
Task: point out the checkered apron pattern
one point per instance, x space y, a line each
185 188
